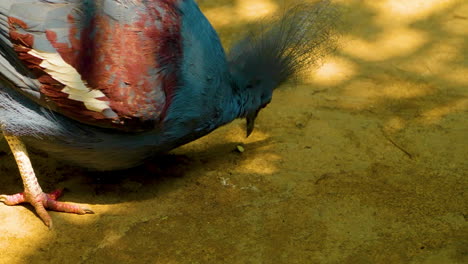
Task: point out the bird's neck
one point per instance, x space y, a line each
232 106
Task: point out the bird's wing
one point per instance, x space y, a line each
108 63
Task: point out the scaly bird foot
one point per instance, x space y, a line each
44 201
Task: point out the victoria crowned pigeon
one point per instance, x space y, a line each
107 84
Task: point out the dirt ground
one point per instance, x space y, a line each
364 161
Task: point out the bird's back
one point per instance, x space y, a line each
106 63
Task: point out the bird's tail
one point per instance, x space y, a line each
279 48
19 116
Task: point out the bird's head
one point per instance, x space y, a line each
254 95
276 50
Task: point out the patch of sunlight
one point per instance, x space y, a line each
221 16
393 42
435 115
245 10
404 11
255 9
457 22
442 60
19 221
394 125
262 163
22 233
364 93
334 71
89 219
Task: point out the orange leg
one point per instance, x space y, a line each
33 193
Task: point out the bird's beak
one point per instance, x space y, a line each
251 122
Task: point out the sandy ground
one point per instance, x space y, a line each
365 161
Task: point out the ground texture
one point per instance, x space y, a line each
363 161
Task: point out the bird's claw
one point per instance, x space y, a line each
45 201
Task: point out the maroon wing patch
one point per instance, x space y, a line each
108 72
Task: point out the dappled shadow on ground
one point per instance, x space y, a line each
363 160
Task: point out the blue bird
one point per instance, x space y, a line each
108 84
